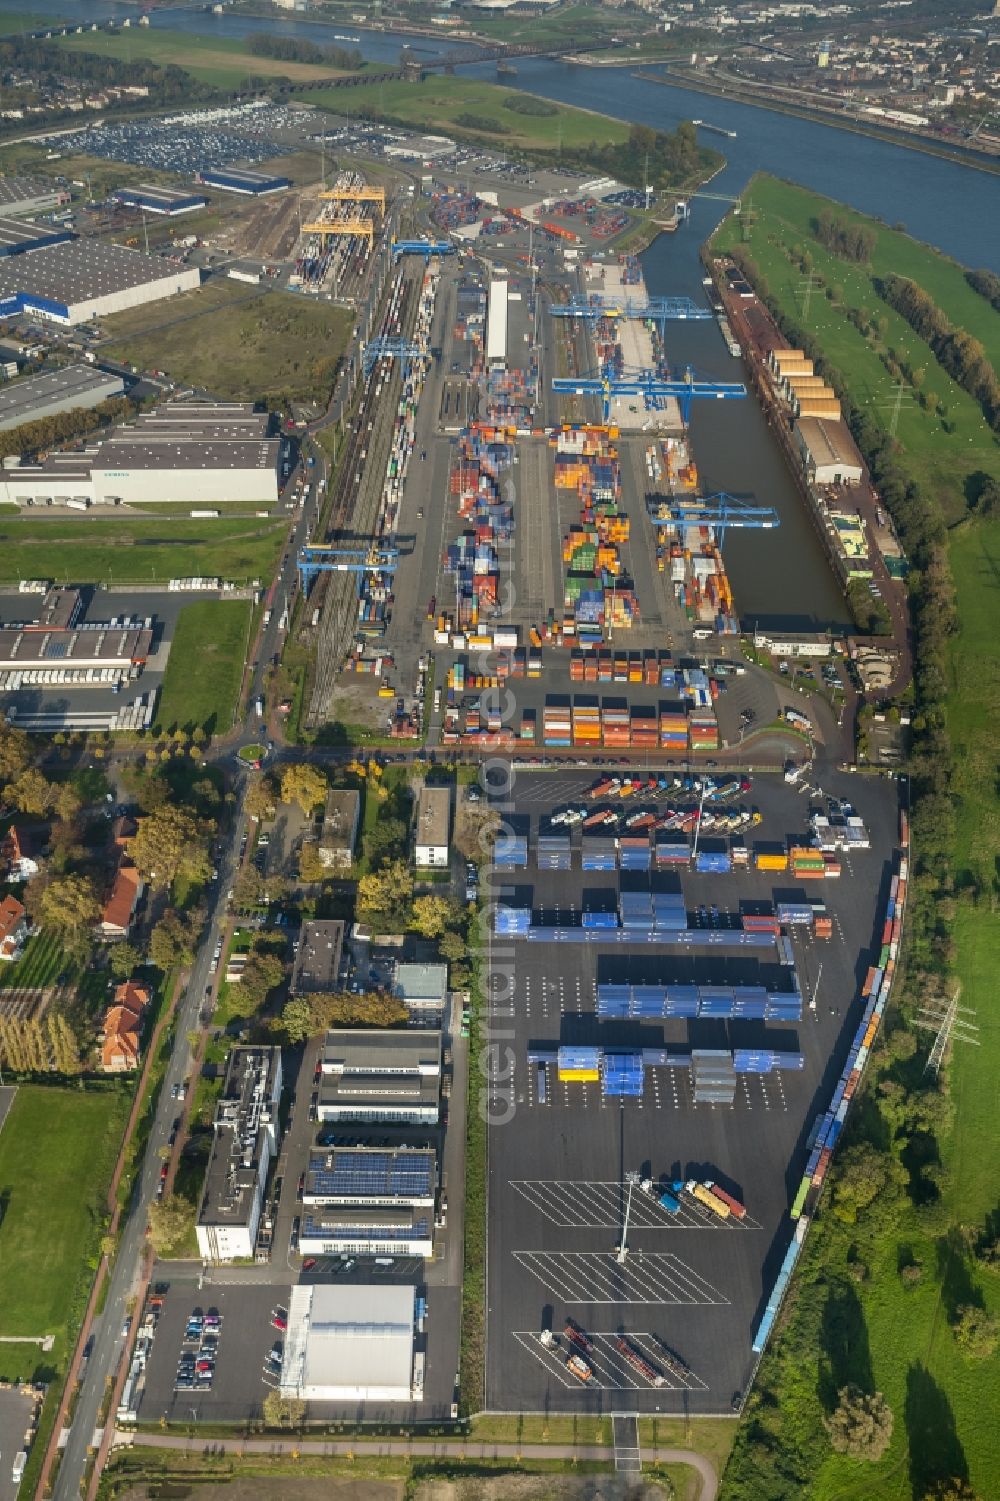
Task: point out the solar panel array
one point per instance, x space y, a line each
368 1174
316 1229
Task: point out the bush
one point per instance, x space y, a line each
861 1424
527 104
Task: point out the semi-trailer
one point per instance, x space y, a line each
638 1362
705 1196
574 1333
673 1362
736 1209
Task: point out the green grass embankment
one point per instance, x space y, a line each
88 549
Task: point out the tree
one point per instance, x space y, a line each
170 1220
65 801
951 1490
32 792
311 867
976 1330
386 893
262 973
15 752
125 960
282 1412
864 1174
169 842
297 1018
260 797
303 784
861 1424
433 915
70 904
172 941
453 947
385 840
988 499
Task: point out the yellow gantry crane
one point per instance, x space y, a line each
333 227
365 194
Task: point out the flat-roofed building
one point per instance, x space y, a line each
316 970
246 1137
341 816
369 1201
159 200
423 989
386 1074
54 391
76 280
433 832
349 1344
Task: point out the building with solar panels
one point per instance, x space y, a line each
369 1201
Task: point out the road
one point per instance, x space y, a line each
462 1449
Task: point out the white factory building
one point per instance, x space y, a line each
245 1140
78 280
349 1344
197 454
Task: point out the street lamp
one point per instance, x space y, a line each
631 1179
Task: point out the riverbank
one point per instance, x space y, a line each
835 121
895 1292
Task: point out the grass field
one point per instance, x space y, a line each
943 461
436 104
205 667
222 63
40 965
256 346
57 1152
127 550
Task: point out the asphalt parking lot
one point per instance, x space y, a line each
16 1408
558 1169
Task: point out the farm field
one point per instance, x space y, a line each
218 61
944 458
205 667
124 550
57 1152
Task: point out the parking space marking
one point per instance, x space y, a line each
599 1277
612 1373
601 1206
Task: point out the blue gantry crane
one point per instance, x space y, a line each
384 348
426 248
658 310
654 389
317 558
717 511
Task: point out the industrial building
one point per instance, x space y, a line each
17 237
245 1140
21 197
74 651
828 451
366 1201
157 200
381 1075
496 325
349 1344
239 180
316 970
433 826
72 282
423 989
53 391
183 452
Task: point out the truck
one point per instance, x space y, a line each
258 707
17 1470
638 1362
541 1084
669 1202
673 1362
705 1196
267 617
793 717
736 1209
576 1336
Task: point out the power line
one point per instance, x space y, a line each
950 1022
806 287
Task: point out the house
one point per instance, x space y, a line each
18 855
119 909
120 1034
433 826
13 928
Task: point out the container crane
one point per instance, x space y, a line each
386 348
717 511
426 248
658 310
317 558
654 389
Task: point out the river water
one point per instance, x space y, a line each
779 578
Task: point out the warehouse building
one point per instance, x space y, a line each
78 653
72 282
238 180
16 237
381 1075
433 826
54 391
366 1201
496 326
156 200
349 1344
22 197
187 453
828 451
245 1140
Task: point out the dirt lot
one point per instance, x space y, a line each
541 1488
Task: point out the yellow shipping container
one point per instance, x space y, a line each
579 1075
772 862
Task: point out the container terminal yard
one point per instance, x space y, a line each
522 568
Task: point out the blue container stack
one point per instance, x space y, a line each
623 1075
555 851
669 911
599 852
634 853
713 862
672 849
511 850
512 921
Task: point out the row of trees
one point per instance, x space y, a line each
63 427
39 1045
292 49
987 284
852 242
309 1015
956 351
